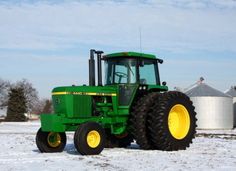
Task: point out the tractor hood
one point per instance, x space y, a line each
76 101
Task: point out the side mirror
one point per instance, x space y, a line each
160 61
164 83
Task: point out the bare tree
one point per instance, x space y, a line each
38 108
43 106
47 107
4 90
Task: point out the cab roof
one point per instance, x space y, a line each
130 54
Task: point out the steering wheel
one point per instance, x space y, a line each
121 75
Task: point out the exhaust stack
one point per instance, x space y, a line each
92 67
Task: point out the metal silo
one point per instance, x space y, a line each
232 92
214 108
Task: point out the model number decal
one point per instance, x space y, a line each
84 93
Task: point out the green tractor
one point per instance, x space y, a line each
131 105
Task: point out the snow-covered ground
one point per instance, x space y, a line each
211 150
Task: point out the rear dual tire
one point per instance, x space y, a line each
172 126
163 121
138 120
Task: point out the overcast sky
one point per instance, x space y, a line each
48 42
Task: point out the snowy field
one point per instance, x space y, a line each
211 150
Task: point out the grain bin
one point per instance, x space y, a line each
232 92
214 108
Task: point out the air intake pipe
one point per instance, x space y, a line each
92 68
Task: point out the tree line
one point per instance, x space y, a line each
20 98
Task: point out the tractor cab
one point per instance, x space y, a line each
131 68
134 74
131 71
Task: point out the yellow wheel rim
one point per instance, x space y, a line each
93 139
54 139
178 121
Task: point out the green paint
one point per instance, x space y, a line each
107 105
157 88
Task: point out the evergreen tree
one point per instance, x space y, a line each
16 105
30 93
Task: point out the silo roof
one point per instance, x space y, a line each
203 89
232 91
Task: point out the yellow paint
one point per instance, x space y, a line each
54 139
179 121
93 139
84 93
59 93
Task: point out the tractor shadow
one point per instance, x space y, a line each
70 149
36 151
133 146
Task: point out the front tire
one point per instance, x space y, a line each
50 142
172 125
89 139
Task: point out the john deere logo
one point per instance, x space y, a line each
57 101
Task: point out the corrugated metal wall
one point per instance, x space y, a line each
214 112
